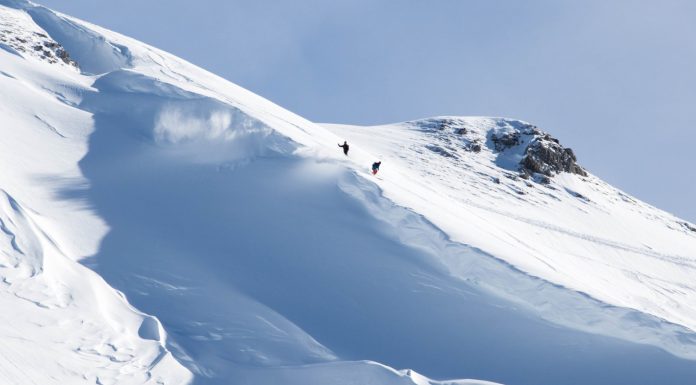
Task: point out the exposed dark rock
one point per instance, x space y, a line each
535 155
546 156
448 136
688 226
531 130
540 153
36 44
506 140
63 55
474 146
446 123
496 180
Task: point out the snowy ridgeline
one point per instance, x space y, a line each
162 225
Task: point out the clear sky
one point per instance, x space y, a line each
615 80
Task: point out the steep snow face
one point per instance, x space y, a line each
256 253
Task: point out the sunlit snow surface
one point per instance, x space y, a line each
162 225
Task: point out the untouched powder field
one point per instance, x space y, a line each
161 225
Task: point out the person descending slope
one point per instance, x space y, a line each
375 167
345 147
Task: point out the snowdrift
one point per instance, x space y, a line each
162 225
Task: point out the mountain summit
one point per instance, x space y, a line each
161 225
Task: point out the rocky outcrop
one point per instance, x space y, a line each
449 135
546 156
473 146
529 152
542 156
27 43
689 226
505 140
51 49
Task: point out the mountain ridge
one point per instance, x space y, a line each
219 214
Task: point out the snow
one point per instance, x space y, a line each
577 232
162 225
20 36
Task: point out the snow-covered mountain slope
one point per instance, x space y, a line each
471 177
256 253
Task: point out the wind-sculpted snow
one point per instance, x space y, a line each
92 52
23 251
66 325
275 247
181 124
257 253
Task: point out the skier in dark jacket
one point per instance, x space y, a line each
345 147
375 167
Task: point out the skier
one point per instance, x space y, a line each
345 147
375 167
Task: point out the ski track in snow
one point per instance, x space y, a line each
685 262
265 256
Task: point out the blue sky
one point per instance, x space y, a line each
614 80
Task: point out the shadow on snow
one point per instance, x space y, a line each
262 260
